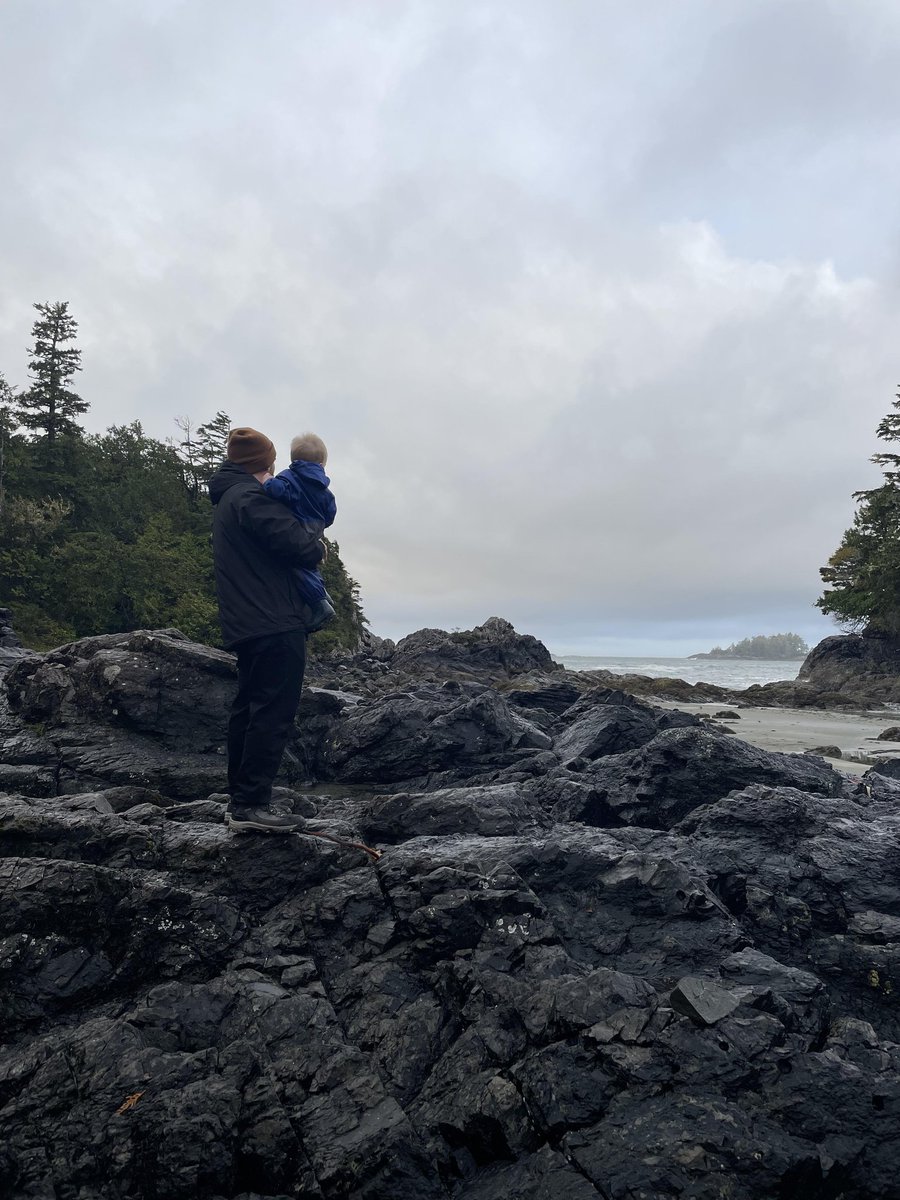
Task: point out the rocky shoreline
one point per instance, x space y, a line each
609 950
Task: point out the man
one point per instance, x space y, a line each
257 546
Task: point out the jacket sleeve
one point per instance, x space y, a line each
331 510
276 487
274 527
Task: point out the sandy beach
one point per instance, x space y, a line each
793 731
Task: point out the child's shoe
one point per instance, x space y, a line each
322 614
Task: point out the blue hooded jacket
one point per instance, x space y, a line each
303 487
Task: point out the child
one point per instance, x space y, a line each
303 487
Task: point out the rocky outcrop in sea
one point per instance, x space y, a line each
608 951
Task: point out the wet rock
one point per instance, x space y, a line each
605 730
493 649
409 735
702 1000
681 769
887 768
534 1177
494 811
864 667
577 969
155 683
658 1146
550 697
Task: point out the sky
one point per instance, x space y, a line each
595 303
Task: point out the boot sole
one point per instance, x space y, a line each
253 827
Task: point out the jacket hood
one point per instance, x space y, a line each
310 472
227 476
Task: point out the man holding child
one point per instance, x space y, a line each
258 548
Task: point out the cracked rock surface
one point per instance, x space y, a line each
606 952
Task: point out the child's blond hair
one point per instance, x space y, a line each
310 448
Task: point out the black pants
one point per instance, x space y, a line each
270 675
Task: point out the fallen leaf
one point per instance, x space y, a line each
128 1103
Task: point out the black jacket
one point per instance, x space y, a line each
257 546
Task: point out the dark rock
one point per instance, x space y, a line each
671 969
605 730
410 735
551 697
888 768
534 1177
493 648
797 998
493 810
825 751
680 769
664 687
155 683
891 734
865 667
687 1146
137 709
703 1001
797 694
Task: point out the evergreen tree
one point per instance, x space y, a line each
7 429
210 446
202 450
187 453
111 532
49 407
863 574
774 645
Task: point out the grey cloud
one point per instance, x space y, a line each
454 240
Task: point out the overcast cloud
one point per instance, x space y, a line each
596 304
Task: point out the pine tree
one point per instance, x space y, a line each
201 451
210 445
864 571
186 450
7 429
48 406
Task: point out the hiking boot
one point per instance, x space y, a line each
242 818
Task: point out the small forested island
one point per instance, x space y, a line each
775 645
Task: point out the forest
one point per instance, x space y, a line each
106 532
863 574
765 646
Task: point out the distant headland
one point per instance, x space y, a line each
775 645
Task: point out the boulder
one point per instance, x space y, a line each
491 651
409 735
608 721
153 682
679 770
704 1001
865 667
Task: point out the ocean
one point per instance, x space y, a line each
726 672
